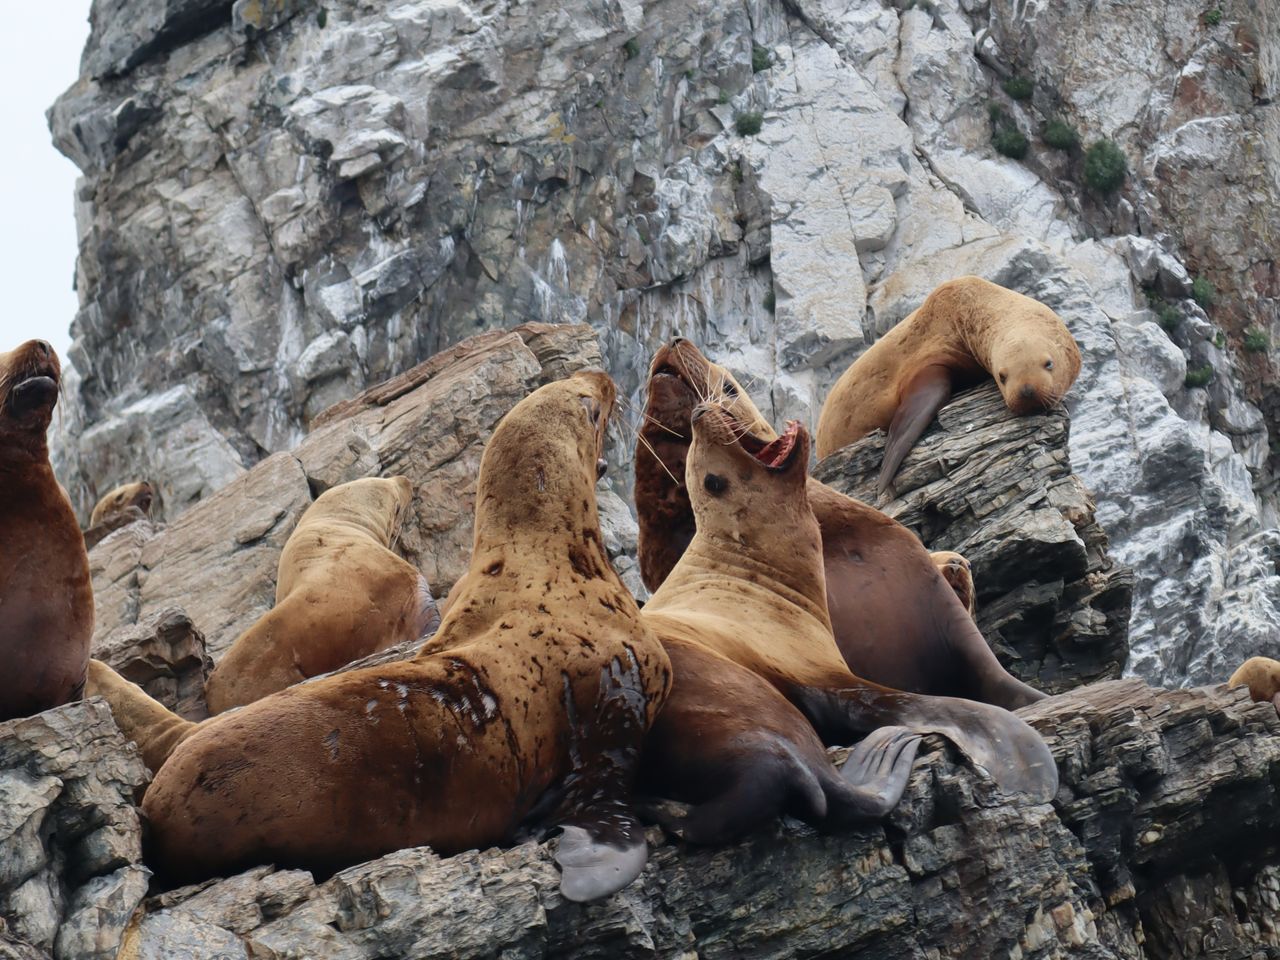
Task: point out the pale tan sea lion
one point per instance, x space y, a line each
46 598
897 621
751 587
1262 676
965 329
341 594
955 569
532 705
140 494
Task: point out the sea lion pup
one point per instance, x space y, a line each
1262 676
964 328
750 586
45 592
341 594
729 743
897 622
955 569
538 693
114 503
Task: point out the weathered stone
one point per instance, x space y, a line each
165 656
999 489
70 841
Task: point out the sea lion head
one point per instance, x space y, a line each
955 569
540 467
1034 359
378 505
743 487
30 376
140 494
680 378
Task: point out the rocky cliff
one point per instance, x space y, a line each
1159 845
285 201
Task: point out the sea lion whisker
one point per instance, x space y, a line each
654 453
654 420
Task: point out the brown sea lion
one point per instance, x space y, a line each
1262 676
46 598
965 329
535 700
896 620
955 569
750 586
731 744
140 495
341 594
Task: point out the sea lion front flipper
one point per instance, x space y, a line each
876 773
591 868
154 728
922 397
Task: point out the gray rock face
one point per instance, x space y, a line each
1158 845
70 842
999 489
284 203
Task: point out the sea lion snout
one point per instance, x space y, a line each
29 379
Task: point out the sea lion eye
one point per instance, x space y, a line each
730 389
602 466
1004 378
715 484
1048 364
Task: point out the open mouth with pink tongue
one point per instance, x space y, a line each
775 454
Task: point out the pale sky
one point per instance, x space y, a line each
39 58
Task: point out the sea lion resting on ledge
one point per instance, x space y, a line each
140 494
896 620
45 592
1262 676
965 328
341 594
750 586
538 691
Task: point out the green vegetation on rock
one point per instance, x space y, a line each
1104 167
1201 377
748 124
1060 135
1203 293
1019 88
1256 341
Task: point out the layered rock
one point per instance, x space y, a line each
70 842
999 489
1158 845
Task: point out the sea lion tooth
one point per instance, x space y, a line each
965 328
45 591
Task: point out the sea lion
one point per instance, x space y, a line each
140 494
750 586
153 728
341 594
1262 676
965 328
45 592
955 569
534 700
896 620
732 745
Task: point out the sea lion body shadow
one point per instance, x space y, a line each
46 596
342 593
896 620
537 696
750 587
966 329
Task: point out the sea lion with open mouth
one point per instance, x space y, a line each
528 711
45 591
896 620
750 586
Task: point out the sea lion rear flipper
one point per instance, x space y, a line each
922 397
876 774
1001 743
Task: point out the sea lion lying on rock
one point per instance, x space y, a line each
750 586
1262 676
140 495
341 594
965 329
534 700
46 597
897 621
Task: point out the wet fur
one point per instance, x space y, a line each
537 692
